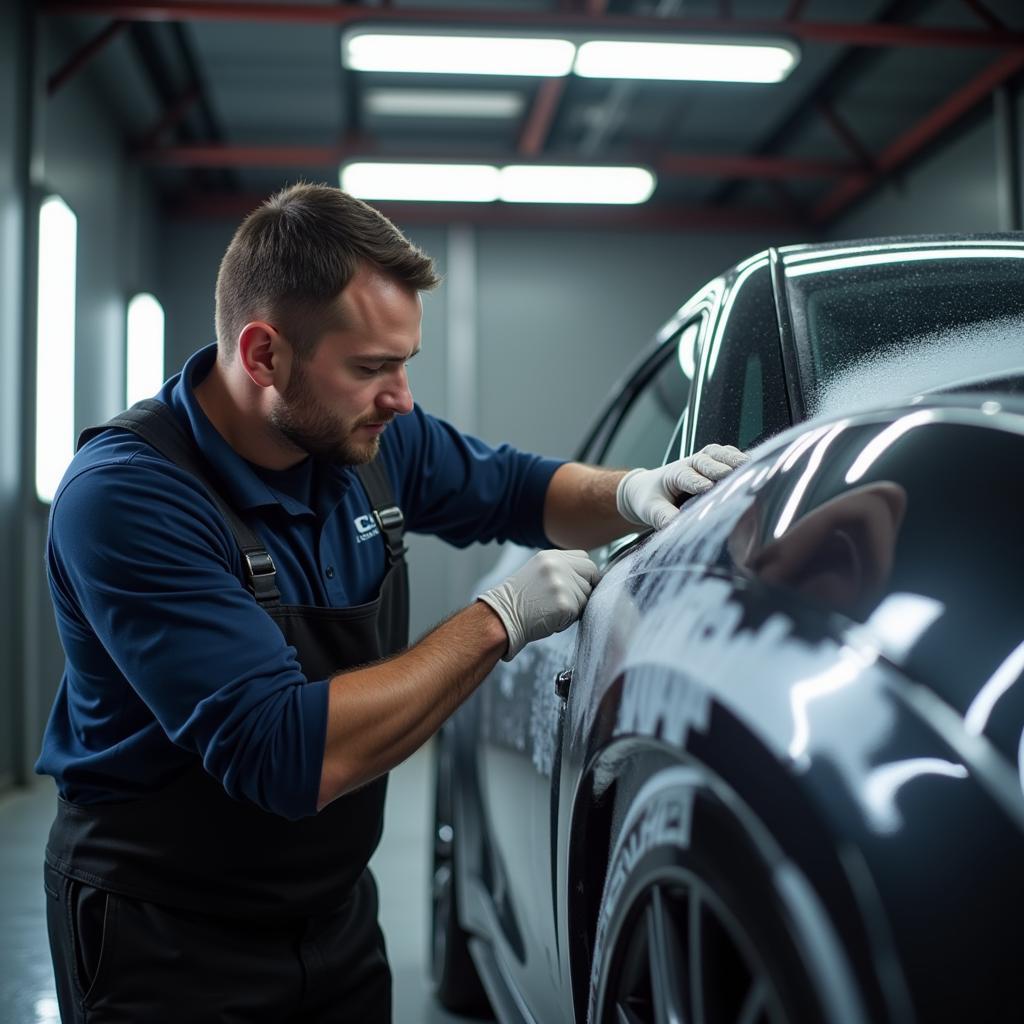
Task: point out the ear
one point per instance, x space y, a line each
264 354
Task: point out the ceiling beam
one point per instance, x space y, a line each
846 34
669 164
926 131
541 117
233 206
82 56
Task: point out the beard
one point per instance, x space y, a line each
301 420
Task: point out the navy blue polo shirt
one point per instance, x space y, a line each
168 655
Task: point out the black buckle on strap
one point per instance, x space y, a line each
260 564
389 518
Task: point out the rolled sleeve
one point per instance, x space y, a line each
141 557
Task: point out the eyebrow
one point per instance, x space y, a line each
370 358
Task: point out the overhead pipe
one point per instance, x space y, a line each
870 35
677 164
234 206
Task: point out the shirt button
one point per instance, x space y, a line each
329 573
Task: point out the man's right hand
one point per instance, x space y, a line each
546 596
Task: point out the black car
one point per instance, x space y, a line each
775 772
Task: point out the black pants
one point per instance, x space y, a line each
122 961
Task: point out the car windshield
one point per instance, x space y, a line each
878 324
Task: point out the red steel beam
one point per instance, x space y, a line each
985 14
669 218
541 117
924 132
767 167
173 116
876 34
81 57
678 164
846 135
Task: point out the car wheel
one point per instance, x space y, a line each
688 928
456 983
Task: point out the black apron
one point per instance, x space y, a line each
191 845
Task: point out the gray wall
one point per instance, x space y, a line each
65 145
14 73
960 187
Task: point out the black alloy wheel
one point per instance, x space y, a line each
683 958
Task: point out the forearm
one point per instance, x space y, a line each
579 509
377 716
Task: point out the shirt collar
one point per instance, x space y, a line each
243 488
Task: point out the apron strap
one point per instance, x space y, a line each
154 422
388 515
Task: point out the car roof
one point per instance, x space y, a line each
1007 238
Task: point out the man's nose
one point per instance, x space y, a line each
398 397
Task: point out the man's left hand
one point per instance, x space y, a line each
651 497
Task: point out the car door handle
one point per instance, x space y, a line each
562 682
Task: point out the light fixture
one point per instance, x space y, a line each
456 53
144 357
453 183
55 344
539 183
482 183
700 61
443 103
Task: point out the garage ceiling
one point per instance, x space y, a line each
228 101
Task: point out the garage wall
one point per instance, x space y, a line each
958 188
14 71
67 146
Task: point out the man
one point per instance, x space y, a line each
226 564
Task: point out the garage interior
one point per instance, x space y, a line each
162 124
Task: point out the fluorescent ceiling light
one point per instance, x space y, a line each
702 62
426 53
443 103
453 183
542 184
482 183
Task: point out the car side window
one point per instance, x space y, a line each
742 395
648 424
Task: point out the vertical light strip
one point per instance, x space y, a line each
462 375
55 345
144 357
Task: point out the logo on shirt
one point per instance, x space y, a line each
366 528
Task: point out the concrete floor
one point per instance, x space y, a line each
401 866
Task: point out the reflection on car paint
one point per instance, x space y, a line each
885 781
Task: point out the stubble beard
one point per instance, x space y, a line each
300 420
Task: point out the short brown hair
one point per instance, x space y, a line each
291 258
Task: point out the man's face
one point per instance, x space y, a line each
338 402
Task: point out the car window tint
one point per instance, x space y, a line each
646 428
743 396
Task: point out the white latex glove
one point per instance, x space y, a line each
651 497
546 596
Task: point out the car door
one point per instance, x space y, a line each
521 710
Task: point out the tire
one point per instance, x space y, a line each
689 926
456 983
